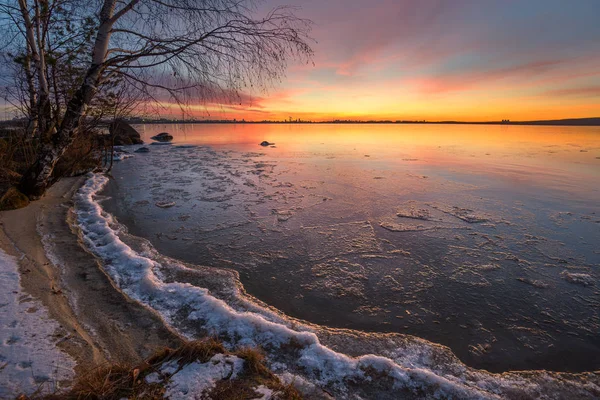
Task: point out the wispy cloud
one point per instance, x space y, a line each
591 91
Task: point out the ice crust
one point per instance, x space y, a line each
182 303
195 379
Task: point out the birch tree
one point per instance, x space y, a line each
181 51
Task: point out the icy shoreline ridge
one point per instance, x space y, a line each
301 353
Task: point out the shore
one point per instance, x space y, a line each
97 323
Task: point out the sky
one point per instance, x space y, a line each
434 60
438 60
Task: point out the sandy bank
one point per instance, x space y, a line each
97 323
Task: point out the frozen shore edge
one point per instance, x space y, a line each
88 321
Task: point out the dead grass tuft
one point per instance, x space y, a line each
255 374
189 352
13 199
254 361
117 382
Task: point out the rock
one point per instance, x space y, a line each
124 134
265 144
13 199
162 137
121 155
142 150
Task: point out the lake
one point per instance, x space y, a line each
483 238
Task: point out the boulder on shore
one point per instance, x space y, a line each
124 134
162 137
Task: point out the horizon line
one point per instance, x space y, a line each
586 121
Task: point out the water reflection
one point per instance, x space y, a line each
482 238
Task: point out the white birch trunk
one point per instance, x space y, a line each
38 178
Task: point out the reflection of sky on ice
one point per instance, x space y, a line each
481 238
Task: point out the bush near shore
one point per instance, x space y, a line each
18 152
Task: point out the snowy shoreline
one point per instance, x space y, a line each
55 293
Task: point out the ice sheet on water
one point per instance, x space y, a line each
412 210
534 282
465 214
338 278
330 241
403 227
578 278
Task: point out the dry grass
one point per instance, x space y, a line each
117 382
82 156
255 374
18 152
201 351
13 199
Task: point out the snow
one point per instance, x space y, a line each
195 379
265 392
120 156
29 357
304 386
153 378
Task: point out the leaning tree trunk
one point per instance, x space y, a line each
39 176
31 128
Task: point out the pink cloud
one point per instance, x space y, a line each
534 73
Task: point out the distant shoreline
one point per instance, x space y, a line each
595 121
561 122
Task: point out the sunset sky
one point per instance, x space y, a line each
439 60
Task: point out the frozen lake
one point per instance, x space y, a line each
481 238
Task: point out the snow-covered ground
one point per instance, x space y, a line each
30 360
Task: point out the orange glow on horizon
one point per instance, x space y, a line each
467 110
